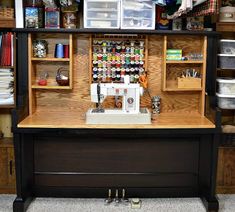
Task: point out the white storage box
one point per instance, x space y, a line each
226 101
102 14
226 86
137 14
227 14
226 61
227 46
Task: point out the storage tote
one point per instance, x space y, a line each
137 14
226 101
102 14
226 86
227 47
226 61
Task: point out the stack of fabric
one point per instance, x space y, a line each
178 8
6 87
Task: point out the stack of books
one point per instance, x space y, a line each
6 87
174 54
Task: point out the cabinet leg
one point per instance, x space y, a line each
20 204
211 204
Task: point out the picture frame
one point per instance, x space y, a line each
32 17
52 18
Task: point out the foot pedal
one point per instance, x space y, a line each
109 199
136 203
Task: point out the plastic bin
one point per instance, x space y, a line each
227 47
226 61
102 13
226 86
137 14
226 101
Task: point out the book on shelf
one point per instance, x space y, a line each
6 49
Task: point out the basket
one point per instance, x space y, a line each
61 79
6 13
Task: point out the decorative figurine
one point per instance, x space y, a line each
156 104
40 48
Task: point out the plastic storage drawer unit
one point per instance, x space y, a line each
226 86
226 61
227 47
137 14
102 14
226 101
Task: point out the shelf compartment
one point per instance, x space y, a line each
39 66
51 87
173 72
184 62
51 59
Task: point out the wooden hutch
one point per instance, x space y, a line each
59 155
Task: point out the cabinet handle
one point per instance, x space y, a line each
10 163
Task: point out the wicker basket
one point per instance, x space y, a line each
6 13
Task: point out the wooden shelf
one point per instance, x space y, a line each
183 89
7 23
51 59
225 27
118 31
7 106
184 62
77 120
51 87
6 67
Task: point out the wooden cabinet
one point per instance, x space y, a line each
7 166
226 170
173 69
59 155
48 65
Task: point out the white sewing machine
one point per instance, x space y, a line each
130 112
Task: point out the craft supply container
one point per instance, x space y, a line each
226 61
227 46
102 14
226 101
137 15
226 86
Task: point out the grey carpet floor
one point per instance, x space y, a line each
227 204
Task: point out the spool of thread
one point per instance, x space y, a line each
105 57
95 70
95 56
66 51
59 50
99 56
137 57
95 77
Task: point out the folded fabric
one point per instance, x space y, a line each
161 3
209 7
186 6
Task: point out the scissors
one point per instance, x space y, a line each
143 80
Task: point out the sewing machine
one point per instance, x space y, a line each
131 113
